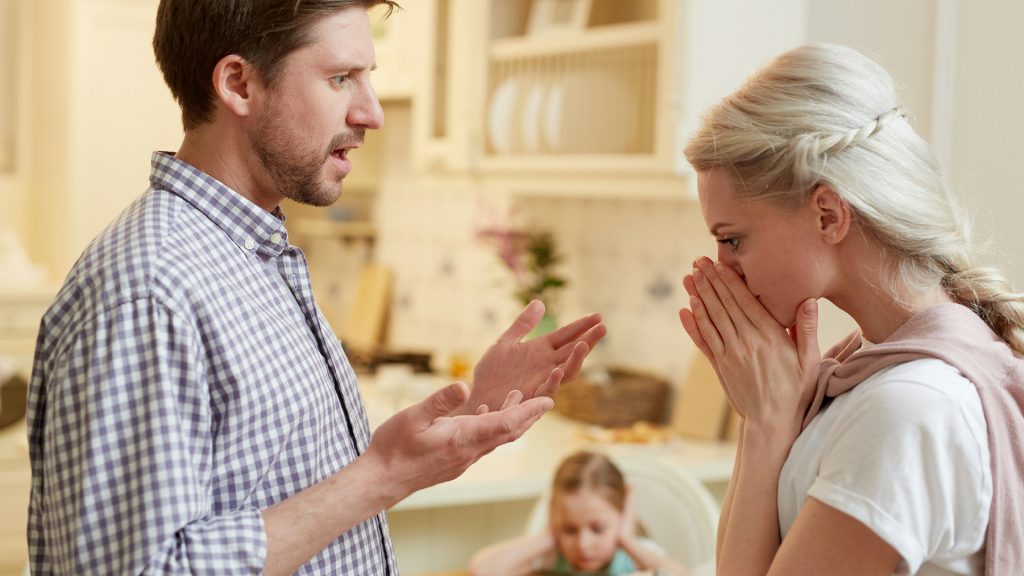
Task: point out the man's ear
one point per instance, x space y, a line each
234 83
833 214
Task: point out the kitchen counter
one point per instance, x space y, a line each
523 469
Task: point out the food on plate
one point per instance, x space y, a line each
639 433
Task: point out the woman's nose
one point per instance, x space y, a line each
728 257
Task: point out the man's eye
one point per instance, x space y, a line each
339 80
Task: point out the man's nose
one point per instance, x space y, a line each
366 110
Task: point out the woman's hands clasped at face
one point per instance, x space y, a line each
768 373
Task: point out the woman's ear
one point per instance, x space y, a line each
234 81
833 214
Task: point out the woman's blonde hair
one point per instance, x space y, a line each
826 114
589 471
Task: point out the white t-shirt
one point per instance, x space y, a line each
906 454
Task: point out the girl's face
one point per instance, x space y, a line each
780 253
586 529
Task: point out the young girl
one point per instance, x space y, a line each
591 530
901 451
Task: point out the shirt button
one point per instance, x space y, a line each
249 244
275 238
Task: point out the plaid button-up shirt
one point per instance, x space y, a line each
175 394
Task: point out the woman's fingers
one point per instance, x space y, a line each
805 333
713 308
698 324
706 327
754 310
726 292
690 325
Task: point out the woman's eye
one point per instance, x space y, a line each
731 242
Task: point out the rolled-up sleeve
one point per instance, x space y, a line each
122 440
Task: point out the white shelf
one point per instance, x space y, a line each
610 37
615 101
513 163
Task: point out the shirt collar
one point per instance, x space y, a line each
252 228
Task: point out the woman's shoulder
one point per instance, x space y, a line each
916 392
923 404
906 453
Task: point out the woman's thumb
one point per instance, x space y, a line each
806 333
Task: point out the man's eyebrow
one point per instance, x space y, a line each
340 66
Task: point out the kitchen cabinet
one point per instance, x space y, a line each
99 109
14 105
604 103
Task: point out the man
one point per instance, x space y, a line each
190 410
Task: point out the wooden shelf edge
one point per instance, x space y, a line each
591 39
663 186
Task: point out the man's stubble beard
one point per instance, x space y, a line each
296 173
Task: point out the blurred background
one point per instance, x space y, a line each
530 148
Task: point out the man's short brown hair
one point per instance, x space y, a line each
193 35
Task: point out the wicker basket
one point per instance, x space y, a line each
622 399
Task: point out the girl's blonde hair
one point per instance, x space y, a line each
826 114
592 472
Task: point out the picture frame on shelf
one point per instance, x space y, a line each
558 16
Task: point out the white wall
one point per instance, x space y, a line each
988 124
979 131
898 35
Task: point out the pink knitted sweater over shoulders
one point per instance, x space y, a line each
956 335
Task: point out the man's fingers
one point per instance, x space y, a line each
514 397
442 402
591 338
573 359
552 384
526 321
572 331
493 429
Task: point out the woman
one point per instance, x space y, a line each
900 452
